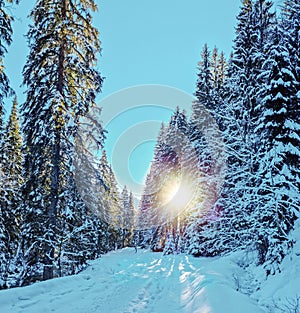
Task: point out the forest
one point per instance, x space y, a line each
225 179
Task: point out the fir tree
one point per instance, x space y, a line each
204 80
127 216
62 84
214 68
112 208
10 200
240 120
6 32
278 193
164 218
144 219
12 164
221 74
291 25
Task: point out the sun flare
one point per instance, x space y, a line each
172 191
176 195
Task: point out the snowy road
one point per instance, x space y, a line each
129 282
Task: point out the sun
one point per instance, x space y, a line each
176 195
171 191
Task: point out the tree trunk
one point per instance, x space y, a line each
52 213
56 161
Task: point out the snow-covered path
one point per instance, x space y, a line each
129 282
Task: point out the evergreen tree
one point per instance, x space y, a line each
10 198
115 211
239 127
168 191
291 33
127 216
62 84
6 32
144 218
204 80
130 219
112 208
278 193
221 74
254 24
12 163
104 171
81 231
215 68
291 25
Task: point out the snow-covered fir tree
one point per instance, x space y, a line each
10 199
291 25
62 84
127 216
239 121
162 208
112 207
205 78
6 32
278 197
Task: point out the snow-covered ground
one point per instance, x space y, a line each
281 292
128 282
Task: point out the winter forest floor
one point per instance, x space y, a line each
127 282
145 282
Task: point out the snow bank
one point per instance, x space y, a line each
281 292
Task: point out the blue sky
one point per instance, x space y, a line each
143 42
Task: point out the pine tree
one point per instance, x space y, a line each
254 24
12 146
6 32
291 29
204 80
104 171
62 84
144 218
291 25
163 209
221 75
112 208
6 39
129 220
151 218
214 67
81 232
127 215
115 210
241 118
278 193
11 181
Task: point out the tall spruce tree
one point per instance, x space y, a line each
240 120
278 193
291 29
166 184
6 32
112 209
11 197
12 145
62 84
291 26
204 80
127 216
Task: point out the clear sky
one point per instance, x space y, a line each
143 42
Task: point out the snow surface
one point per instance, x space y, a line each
281 292
127 282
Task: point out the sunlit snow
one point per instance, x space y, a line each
128 282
